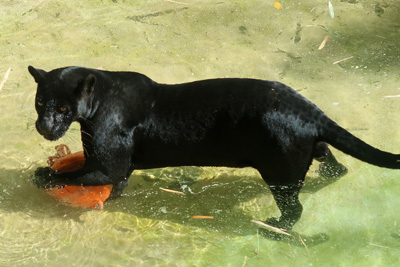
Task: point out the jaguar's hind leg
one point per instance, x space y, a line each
329 167
287 200
330 170
291 209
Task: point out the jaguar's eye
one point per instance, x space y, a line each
40 103
63 109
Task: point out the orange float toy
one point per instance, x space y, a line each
73 195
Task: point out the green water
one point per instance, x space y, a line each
180 41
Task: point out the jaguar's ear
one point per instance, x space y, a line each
88 84
37 74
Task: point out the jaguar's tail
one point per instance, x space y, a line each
341 139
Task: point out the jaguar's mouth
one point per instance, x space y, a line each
51 133
51 137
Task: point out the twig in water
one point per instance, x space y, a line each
322 45
201 217
172 191
331 11
5 79
347 58
304 244
391 96
245 261
271 228
176 2
376 245
258 243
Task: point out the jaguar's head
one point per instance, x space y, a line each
63 96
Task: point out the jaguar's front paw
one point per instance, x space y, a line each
42 177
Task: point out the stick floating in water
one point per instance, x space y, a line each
271 228
391 96
304 244
331 12
176 2
202 217
347 58
172 191
322 45
5 78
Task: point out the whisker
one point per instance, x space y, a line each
87 138
88 134
88 122
86 151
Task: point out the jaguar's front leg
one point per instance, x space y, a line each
47 177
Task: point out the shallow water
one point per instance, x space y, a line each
179 41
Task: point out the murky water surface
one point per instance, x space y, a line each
180 41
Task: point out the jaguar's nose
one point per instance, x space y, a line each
45 127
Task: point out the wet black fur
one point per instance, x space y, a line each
130 122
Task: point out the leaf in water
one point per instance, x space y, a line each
277 5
